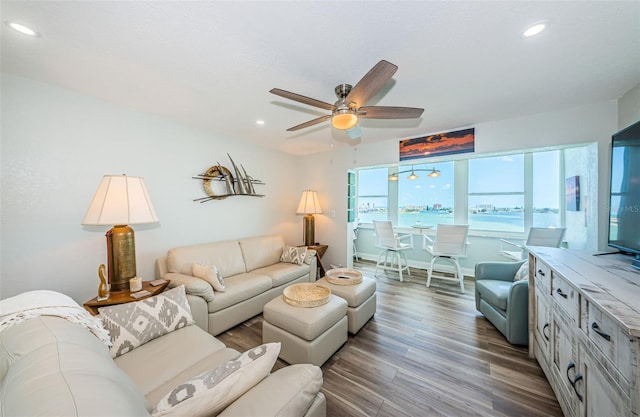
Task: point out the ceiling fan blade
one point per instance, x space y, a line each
386 112
373 81
302 99
309 123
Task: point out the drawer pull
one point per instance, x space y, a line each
578 377
541 272
596 329
546 326
561 293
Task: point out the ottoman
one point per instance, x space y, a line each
361 299
307 335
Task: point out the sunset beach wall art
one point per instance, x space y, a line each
448 143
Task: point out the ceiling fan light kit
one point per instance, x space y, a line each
344 119
351 101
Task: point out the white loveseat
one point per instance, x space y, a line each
252 272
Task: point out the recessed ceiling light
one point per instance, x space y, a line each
260 122
535 29
22 29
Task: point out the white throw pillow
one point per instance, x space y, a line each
133 324
209 274
311 253
523 272
212 391
293 254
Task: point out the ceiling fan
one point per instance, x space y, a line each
351 101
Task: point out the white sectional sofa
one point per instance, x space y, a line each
252 272
51 366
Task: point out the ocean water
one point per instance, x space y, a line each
509 222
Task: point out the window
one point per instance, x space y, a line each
507 193
546 189
426 200
372 194
496 193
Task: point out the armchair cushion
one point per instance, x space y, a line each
495 292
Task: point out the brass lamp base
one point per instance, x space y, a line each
309 230
121 256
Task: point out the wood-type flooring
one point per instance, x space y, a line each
426 352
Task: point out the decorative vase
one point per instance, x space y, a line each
103 288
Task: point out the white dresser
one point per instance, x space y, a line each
584 326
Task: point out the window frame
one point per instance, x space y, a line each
461 193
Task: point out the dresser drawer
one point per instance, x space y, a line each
566 297
609 338
542 274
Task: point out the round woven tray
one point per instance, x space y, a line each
343 276
306 295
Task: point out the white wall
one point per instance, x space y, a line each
629 108
57 145
592 123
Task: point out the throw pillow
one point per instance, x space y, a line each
293 254
523 272
212 391
209 274
311 253
134 324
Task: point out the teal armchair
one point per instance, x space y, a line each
503 301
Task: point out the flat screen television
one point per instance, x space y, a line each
624 202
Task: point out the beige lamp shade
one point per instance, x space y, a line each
309 203
120 199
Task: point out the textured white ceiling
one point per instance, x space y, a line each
211 64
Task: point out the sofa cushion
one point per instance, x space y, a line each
134 324
494 292
283 273
226 256
210 392
261 251
297 387
58 367
159 365
239 288
210 274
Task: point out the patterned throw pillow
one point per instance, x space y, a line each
212 391
311 253
209 274
523 272
134 324
293 254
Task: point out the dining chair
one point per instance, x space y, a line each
450 243
354 237
538 236
392 243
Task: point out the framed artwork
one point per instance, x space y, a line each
572 190
459 141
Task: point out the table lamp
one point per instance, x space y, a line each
120 200
309 205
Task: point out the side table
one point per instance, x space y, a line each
320 250
123 296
